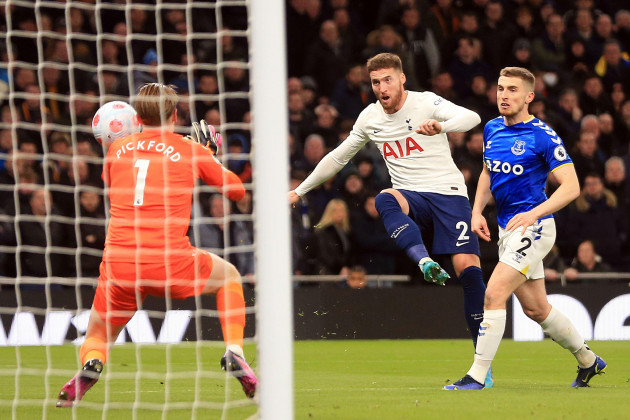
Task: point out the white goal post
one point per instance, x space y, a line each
271 156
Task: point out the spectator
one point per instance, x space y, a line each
309 93
593 99
301 231
613 67
586 261
351 94
496 36
92 233
59 155
521 54
36 234
525 24
471 157
586 157
238 144
242 232
296 155
595 216
31 110
208 89
326 58
615 181
554 265
421 46
332 239
372 180
603 31
314 151
608 142
622 28
348 26
478 101
356 279
56 82
371 245
386 39
353 192
326 125
548 49
147 73
446 16
584 31
442 85
469 27
465 66
300 119
6 145
569 112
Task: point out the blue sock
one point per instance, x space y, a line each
401 228
474 291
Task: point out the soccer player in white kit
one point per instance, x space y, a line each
519 153
429 196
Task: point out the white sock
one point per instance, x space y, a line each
236 349
490 334
561 330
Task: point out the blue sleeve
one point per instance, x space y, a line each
550 146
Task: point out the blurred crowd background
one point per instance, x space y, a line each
58 72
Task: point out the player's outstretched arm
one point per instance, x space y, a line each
209 167
332 163
568 191
478 223
451 118
429 128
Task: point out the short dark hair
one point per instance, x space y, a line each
384 61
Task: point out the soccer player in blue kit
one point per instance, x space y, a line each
519 152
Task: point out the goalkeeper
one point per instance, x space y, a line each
151 176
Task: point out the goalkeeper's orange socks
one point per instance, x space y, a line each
231 308
93 348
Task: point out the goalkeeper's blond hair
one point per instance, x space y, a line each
156 104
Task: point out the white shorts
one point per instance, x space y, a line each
526 252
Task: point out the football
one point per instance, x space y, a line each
114 120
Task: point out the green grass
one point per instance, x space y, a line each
333 380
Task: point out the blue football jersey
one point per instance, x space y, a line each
519 158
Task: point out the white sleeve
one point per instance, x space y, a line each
334 161
454 117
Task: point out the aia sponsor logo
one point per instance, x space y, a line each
397 149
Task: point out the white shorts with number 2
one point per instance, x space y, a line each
526 252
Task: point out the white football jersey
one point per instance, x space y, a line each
415 162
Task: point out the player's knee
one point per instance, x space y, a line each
386 202
535 314
232 274
494 298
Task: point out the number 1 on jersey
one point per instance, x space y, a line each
141 179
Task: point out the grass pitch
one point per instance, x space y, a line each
399 379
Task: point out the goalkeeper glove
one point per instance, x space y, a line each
206 135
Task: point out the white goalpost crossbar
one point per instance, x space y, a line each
270 141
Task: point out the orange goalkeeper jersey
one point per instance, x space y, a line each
151 176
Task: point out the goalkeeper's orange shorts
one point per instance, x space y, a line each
122 286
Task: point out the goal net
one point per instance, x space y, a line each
60 62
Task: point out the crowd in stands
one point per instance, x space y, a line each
579 51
